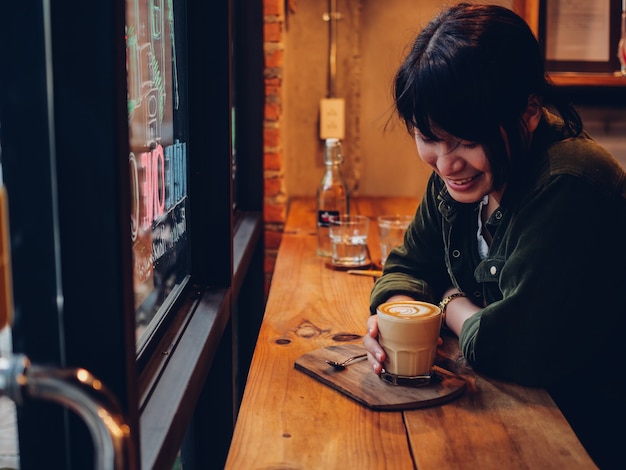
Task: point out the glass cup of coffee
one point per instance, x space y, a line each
348 239
408 331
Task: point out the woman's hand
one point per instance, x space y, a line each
375 353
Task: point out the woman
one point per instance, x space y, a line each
521 232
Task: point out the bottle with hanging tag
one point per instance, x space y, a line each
333 198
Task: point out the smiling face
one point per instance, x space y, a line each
463 165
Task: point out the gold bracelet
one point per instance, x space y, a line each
443 305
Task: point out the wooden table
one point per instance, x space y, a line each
289 420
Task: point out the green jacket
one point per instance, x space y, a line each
553 282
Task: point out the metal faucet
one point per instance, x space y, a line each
81 392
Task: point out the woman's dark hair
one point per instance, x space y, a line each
470 73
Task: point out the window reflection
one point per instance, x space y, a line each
157 161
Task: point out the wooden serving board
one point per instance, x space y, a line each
360 383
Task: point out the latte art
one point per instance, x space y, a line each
409 309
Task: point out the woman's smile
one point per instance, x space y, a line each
459 182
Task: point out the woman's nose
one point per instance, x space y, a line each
449 163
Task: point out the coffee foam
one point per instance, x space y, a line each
409 309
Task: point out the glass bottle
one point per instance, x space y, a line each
332 195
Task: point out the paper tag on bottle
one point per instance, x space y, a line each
323 217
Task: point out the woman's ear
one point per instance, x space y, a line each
533 113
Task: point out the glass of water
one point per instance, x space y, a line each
348 238
391 229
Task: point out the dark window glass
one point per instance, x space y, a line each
157 120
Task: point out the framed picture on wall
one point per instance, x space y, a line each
580 36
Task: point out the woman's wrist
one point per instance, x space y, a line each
458 310
449 296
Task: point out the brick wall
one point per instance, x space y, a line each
275 197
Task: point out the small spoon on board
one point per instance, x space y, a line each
350 360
